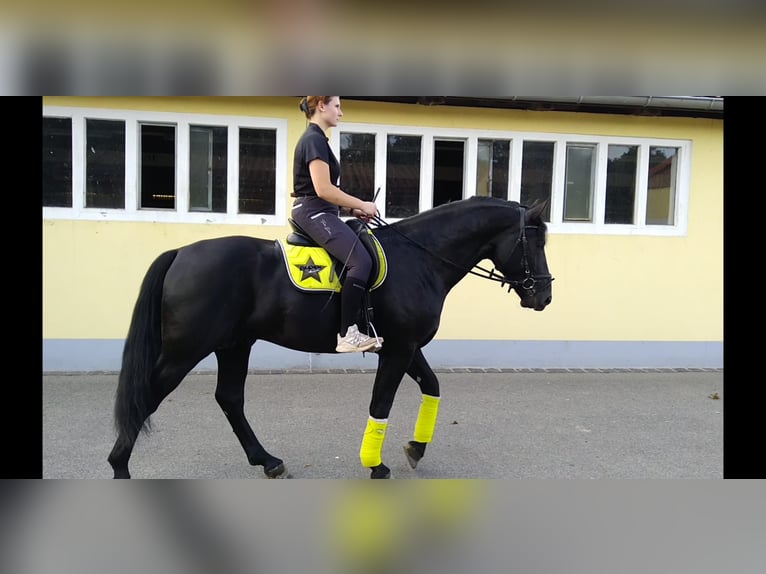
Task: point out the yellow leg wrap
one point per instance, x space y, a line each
424 426
372 443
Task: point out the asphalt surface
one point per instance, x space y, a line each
492 425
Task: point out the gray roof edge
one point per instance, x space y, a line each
703 106
712 103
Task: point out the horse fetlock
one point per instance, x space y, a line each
119 464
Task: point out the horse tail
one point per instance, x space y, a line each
142 349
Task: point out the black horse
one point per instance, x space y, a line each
222 295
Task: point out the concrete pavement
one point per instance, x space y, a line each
492 425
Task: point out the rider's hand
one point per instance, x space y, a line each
369 209
367 212
359 214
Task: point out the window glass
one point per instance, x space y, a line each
621 170
207 168
492 168
579 180
57 162
357 165
105 164
158 166
448 171
537 173
661 192
257 170
402 175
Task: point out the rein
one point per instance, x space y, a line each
527 284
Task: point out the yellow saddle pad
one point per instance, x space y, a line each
313 268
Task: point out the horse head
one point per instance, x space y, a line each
520 257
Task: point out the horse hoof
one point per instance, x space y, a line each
380 471
414 452
412 456
279 471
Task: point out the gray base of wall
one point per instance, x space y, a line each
76 355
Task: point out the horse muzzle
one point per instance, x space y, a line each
536 303
535 293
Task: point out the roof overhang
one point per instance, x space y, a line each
671 106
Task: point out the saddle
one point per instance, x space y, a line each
312 268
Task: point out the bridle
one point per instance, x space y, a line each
528 284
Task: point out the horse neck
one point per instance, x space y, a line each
463 235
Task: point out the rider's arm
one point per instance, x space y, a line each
320 177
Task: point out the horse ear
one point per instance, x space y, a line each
537 210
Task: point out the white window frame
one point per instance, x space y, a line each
556 225
181 213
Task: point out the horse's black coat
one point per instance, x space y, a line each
221 295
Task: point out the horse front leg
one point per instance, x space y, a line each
230 395
391 368
420 371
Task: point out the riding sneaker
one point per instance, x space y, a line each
356 342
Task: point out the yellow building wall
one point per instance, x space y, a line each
607 288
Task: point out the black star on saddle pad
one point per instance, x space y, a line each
311 269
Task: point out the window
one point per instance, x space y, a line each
661 196
158 166
257 171
621 171
493 168
105 164
449 157
403 175
207 168
357 165
579 182
162 166
537 173
57 162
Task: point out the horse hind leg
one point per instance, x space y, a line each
142 404
230 395
420 371
120 454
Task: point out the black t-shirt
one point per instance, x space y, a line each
312 145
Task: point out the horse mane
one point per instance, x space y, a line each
424 217
536 210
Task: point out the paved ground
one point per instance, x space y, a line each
492 425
